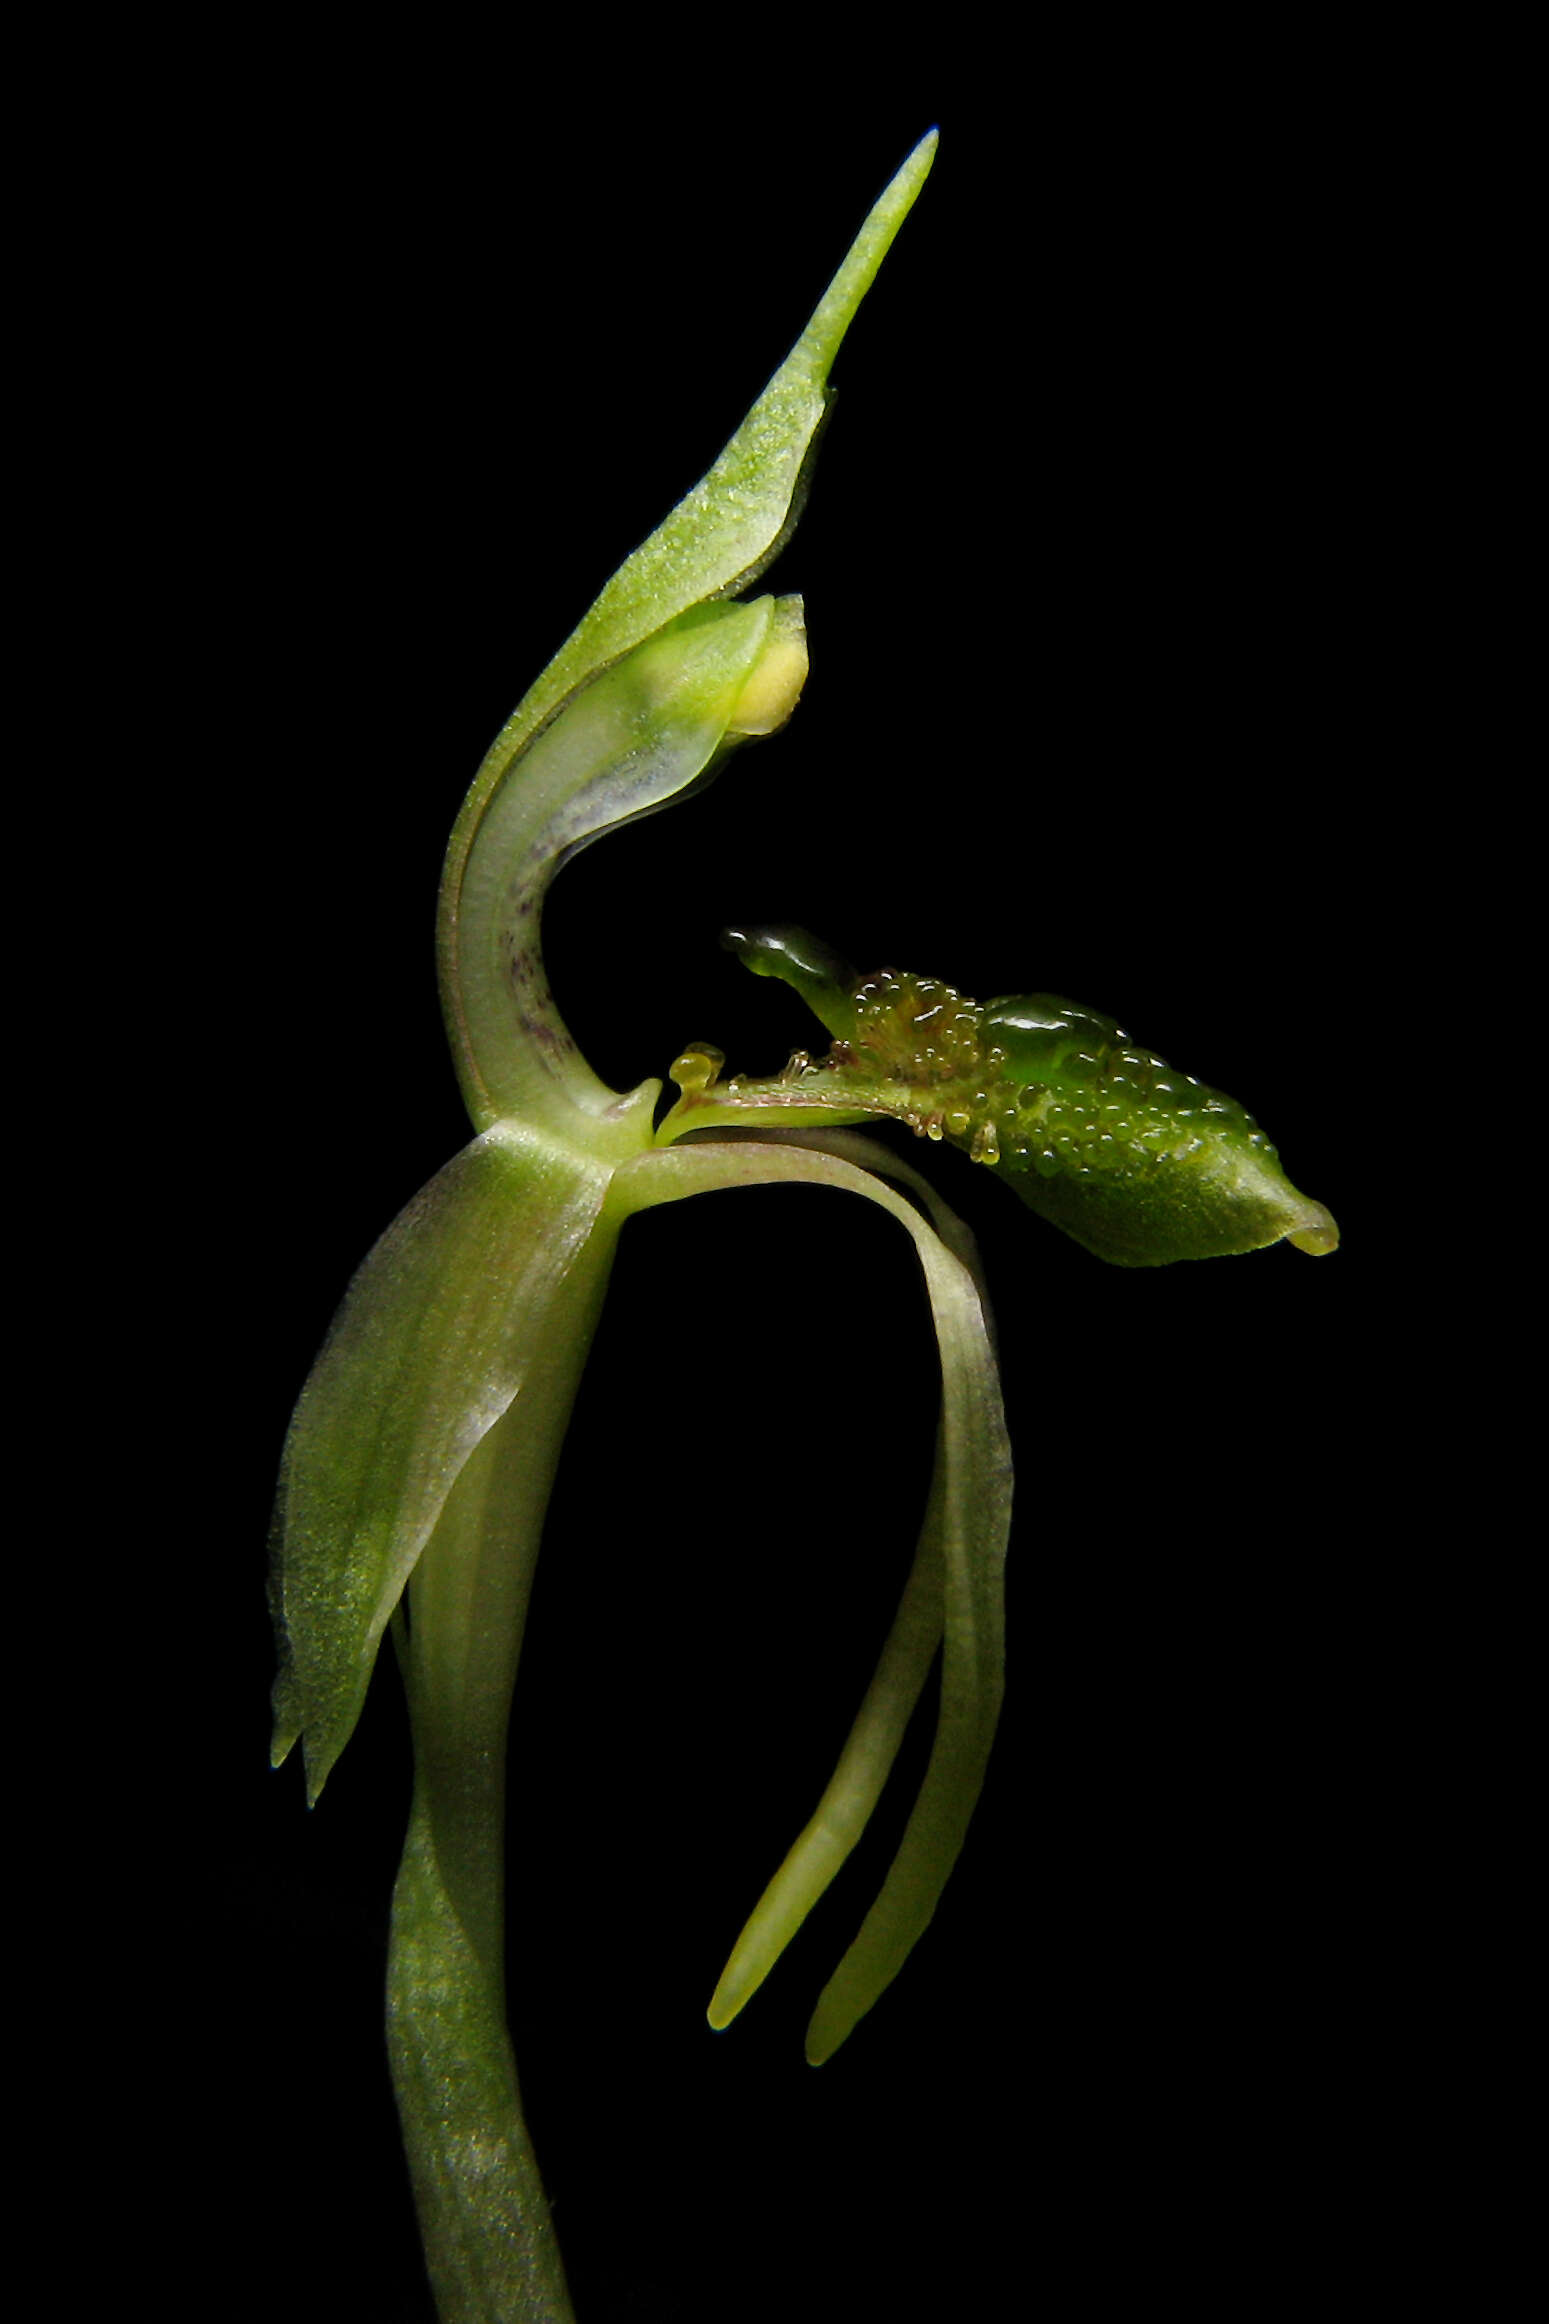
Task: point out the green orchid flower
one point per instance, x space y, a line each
419 1462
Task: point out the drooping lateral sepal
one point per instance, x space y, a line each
956 1592
436 1335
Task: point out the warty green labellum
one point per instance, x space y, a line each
1139 1162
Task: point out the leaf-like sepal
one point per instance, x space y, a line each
436 1335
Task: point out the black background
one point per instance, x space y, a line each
1108 570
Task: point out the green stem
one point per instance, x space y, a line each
489 2240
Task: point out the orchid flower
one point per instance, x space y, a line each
418 1465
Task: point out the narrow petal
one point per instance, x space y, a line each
966 1531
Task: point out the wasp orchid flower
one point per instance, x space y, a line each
419 1462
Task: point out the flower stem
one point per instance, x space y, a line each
489 2240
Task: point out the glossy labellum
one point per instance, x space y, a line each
1140 1163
